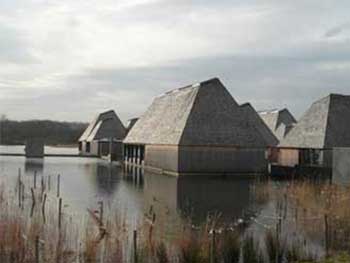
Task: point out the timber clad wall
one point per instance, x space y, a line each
163 157
201 159
205 159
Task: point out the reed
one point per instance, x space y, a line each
104 235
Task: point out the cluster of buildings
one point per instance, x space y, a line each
202 129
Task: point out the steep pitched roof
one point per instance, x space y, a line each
104 125
200 114
325 124
280 122
254 118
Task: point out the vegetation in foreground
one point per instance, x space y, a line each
34 227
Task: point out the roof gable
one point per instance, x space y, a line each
280 122
326 124
104 125
165 119
310 131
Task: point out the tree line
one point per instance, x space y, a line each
52 132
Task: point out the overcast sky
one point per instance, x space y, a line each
69 59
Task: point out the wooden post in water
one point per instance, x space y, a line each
58 185
19 187
22 192
150 234
37 249
33 202
42 184
101 213
213 247
59 213
33 196
34 179
43 209
135 245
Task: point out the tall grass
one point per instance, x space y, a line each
27 236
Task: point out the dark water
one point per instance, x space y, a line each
86 181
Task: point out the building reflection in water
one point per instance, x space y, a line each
196 198
106 178
133 174
34 165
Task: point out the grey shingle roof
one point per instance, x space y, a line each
280 122
259 124
200 114
105 125
325 124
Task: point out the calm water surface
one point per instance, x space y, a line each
135 194
86 181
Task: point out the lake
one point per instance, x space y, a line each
136 194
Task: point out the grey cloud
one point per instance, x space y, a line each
292 81
335 31
297 66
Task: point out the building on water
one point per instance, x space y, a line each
195 130
323 128
34 148
103 136
256 121
280 122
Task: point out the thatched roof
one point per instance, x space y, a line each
280 122
200 114
254 118
326 124
105 125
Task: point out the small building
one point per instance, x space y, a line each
324 127
34 148
280 122
195 130
103 136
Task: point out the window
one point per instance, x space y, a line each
310 157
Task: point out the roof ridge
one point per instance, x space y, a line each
325 144
193 85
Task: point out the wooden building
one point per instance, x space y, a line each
103 136
34 148
324 127
195 130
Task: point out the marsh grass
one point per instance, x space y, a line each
26 237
